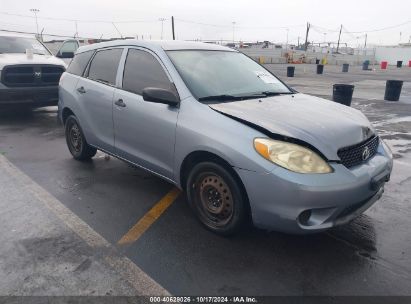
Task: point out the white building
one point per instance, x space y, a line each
392 54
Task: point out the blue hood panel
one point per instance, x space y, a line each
324 124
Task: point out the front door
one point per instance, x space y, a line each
144 131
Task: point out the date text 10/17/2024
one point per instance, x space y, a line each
203 299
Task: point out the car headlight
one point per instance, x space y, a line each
291 156
387 148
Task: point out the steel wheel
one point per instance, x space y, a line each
216 196
216 199
75 138
76 141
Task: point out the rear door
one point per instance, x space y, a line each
95 95
68 95
144 131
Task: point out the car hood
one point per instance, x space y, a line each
326 125
19 58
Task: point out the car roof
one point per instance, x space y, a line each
167 45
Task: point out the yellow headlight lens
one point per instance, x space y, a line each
291 156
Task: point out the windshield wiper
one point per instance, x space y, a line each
272 93
226 97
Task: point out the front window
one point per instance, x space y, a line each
20 45
224 75
142 70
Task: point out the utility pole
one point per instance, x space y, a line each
365 44
172 27
35 11
233 29
306 37
162 26
339 36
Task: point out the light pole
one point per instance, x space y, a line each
35 11
162 23
76 34
233 29
286 44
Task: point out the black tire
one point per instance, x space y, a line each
76 142
217 198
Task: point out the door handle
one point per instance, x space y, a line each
81 90
120 103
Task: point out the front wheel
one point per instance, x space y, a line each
217 198
76 142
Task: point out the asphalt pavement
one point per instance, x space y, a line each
370 256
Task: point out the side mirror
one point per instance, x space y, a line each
158 95
65 55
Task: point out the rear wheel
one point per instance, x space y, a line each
76 142
217 198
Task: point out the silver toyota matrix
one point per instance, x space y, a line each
241 143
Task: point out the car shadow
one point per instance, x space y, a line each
20 118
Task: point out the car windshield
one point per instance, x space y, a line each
20 45
224 75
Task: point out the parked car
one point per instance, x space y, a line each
213 122
67 49
29 73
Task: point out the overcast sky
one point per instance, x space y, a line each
212 19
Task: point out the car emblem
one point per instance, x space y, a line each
366 153
37 74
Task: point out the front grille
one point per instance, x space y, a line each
51 74
354 155
31 75
18 75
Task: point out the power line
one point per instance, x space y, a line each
381 29
78 20
238 27
62 29
324 29
360 32
51 35
346 31
201 23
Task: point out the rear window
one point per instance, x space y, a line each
79 63
104 66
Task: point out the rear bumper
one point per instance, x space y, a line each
305 203
35 96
